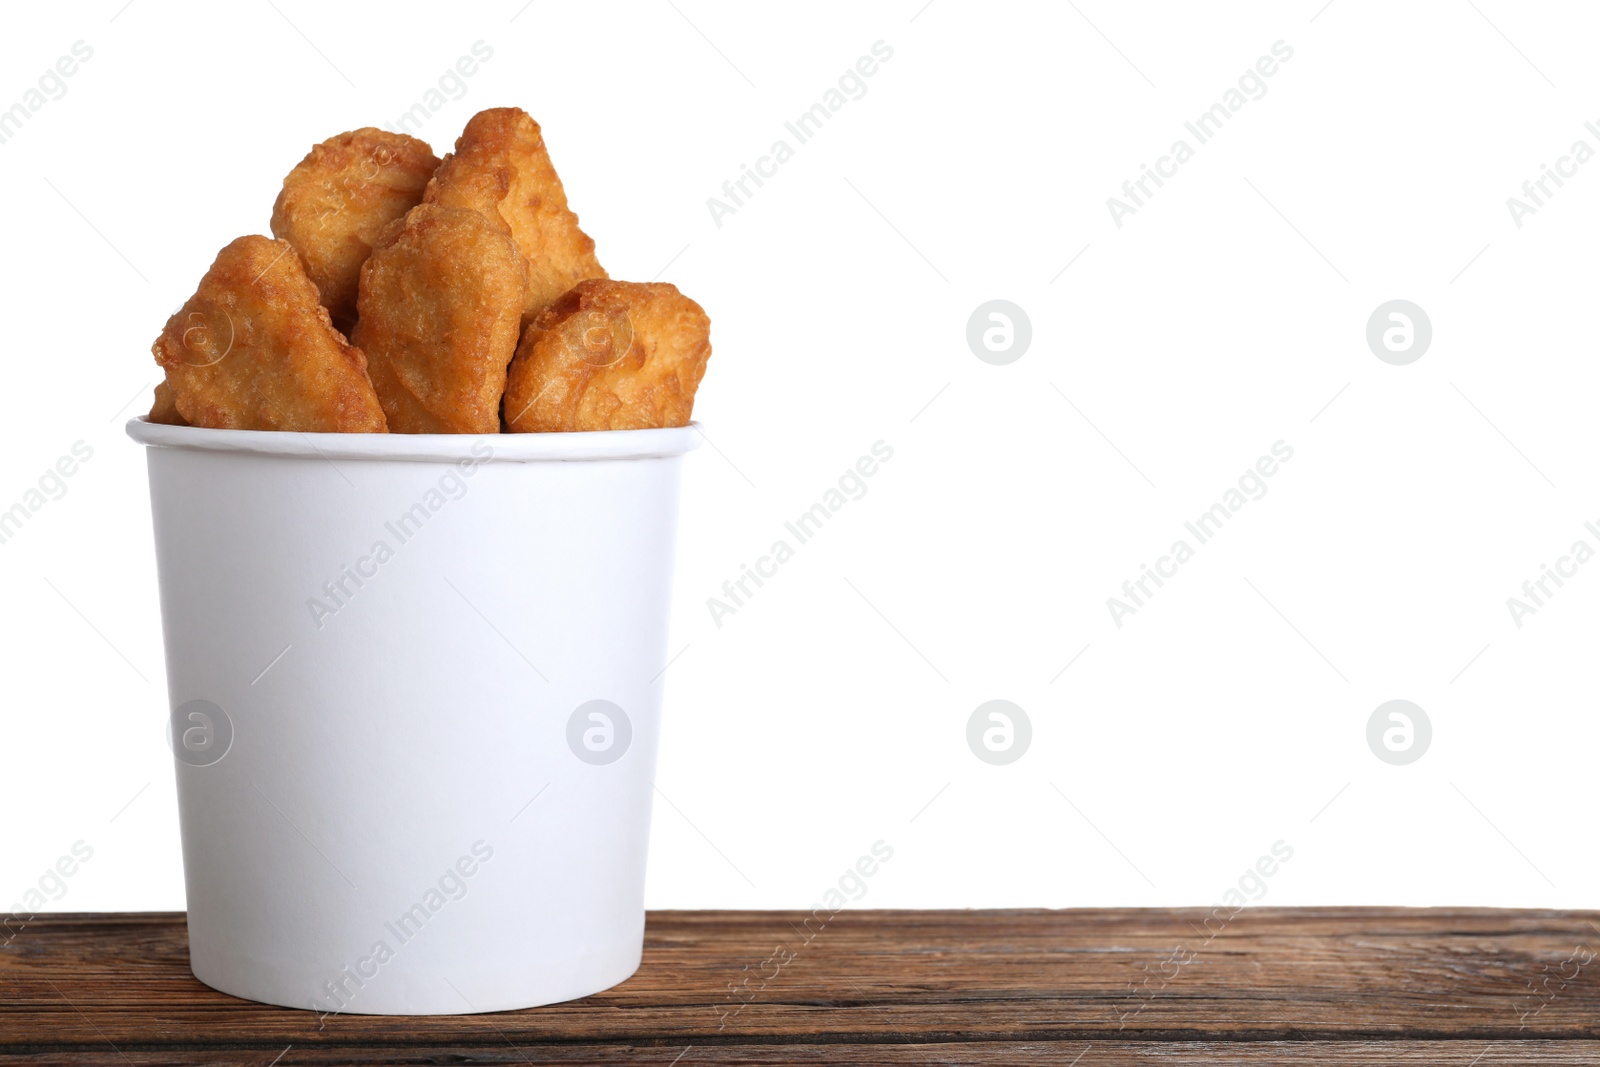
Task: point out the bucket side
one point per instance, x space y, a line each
439 691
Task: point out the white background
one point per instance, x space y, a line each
830 712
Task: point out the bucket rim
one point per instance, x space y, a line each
424 448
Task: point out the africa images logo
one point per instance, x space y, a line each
599 732
201 733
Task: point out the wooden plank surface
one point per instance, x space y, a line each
1320 986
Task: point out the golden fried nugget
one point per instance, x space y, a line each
441 306
339 199
165 408
254 350
609 356
500 167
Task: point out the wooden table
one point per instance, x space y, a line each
1094 988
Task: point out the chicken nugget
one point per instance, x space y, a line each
165 408
339 199
500 167
609 356
252 349
440 309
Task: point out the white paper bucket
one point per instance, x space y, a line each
416 688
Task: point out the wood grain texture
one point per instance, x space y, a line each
1114 987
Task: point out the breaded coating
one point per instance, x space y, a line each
165 408
254 350
609 356
339 199
440 309
500 167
